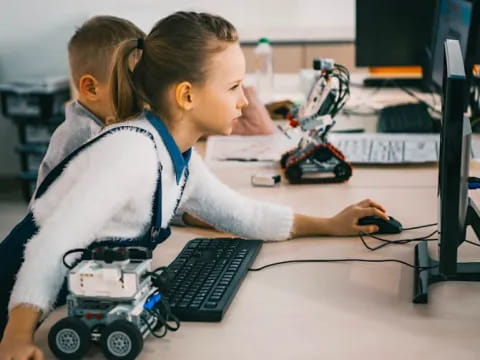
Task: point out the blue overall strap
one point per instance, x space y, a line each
57 170
157 206
156 225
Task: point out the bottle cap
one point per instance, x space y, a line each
264 40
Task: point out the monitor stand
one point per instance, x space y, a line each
465 271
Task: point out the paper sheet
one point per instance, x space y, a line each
367 148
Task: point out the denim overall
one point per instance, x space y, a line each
12 247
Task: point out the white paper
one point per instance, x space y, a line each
366 148
378 148
249 148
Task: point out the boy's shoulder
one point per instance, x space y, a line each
77 128
81 116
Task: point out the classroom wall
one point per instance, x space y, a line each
34 34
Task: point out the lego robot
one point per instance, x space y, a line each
116 301
315 160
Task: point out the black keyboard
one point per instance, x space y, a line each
207 274
407 118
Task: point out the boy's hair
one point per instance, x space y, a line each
92 48
177 49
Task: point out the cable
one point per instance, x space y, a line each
386 242
152 330
169 315
412 94
421 268
68 266
472 243
162 312
393 242
420 226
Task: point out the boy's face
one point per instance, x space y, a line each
220 99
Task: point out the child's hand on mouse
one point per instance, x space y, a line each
346 221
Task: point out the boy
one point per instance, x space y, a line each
90 53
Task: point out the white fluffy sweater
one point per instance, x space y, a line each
107 191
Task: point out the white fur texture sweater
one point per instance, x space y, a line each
107 191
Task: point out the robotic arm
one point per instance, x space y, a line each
315 160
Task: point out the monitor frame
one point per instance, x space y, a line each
456 210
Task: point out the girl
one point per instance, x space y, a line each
125 185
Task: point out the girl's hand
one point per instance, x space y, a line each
17 342
19 349
346 221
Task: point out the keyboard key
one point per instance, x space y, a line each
211 304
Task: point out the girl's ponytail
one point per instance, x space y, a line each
126 101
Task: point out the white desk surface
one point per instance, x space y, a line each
330 311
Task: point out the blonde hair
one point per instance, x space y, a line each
93 46
177 49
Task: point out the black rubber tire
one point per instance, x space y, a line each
343 171
125 336
69 339
294 174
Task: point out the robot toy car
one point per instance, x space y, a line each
315 160
115 300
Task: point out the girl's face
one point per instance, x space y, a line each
218 102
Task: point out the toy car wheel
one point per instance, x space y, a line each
294 173
323 154
342 171
121 340
69 338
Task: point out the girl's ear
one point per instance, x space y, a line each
88 87
184 95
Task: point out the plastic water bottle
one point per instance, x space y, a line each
264 70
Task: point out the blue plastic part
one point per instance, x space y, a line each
151 301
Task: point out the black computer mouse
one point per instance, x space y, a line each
392 226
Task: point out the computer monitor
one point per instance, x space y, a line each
452 21
456 210
393 32
454 158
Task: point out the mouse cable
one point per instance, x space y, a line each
420 268
420 226
386 242
397 242
425 238
405 241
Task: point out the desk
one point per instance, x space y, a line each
330 311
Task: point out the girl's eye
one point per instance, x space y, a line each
234 87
